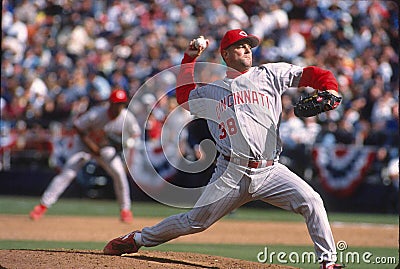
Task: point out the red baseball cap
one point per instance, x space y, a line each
235 35
118 96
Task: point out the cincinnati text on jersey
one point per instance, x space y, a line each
241 97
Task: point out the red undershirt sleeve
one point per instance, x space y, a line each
185 81
318 78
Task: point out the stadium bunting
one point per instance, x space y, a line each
341 168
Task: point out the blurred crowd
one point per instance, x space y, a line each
59 57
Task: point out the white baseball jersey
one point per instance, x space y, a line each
244 112
98 124
243 115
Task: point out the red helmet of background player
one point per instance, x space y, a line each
118 96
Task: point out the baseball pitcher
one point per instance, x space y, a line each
243 113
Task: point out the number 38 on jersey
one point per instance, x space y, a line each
227 128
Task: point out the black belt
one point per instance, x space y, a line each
249 163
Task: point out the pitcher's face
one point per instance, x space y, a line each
239 56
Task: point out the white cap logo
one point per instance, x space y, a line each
242 33
120 95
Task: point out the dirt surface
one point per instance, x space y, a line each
44 259
102 229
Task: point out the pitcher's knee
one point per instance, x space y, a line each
310 202
315 199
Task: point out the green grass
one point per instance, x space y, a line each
83 207
244 252
87 207
281 215
24 244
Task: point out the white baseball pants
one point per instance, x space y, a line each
281 188
109 161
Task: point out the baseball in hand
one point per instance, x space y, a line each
200 42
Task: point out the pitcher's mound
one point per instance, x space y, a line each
95 259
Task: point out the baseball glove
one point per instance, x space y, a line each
313 105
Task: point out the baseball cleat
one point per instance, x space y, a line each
126 216
38 212
332 266
122 245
